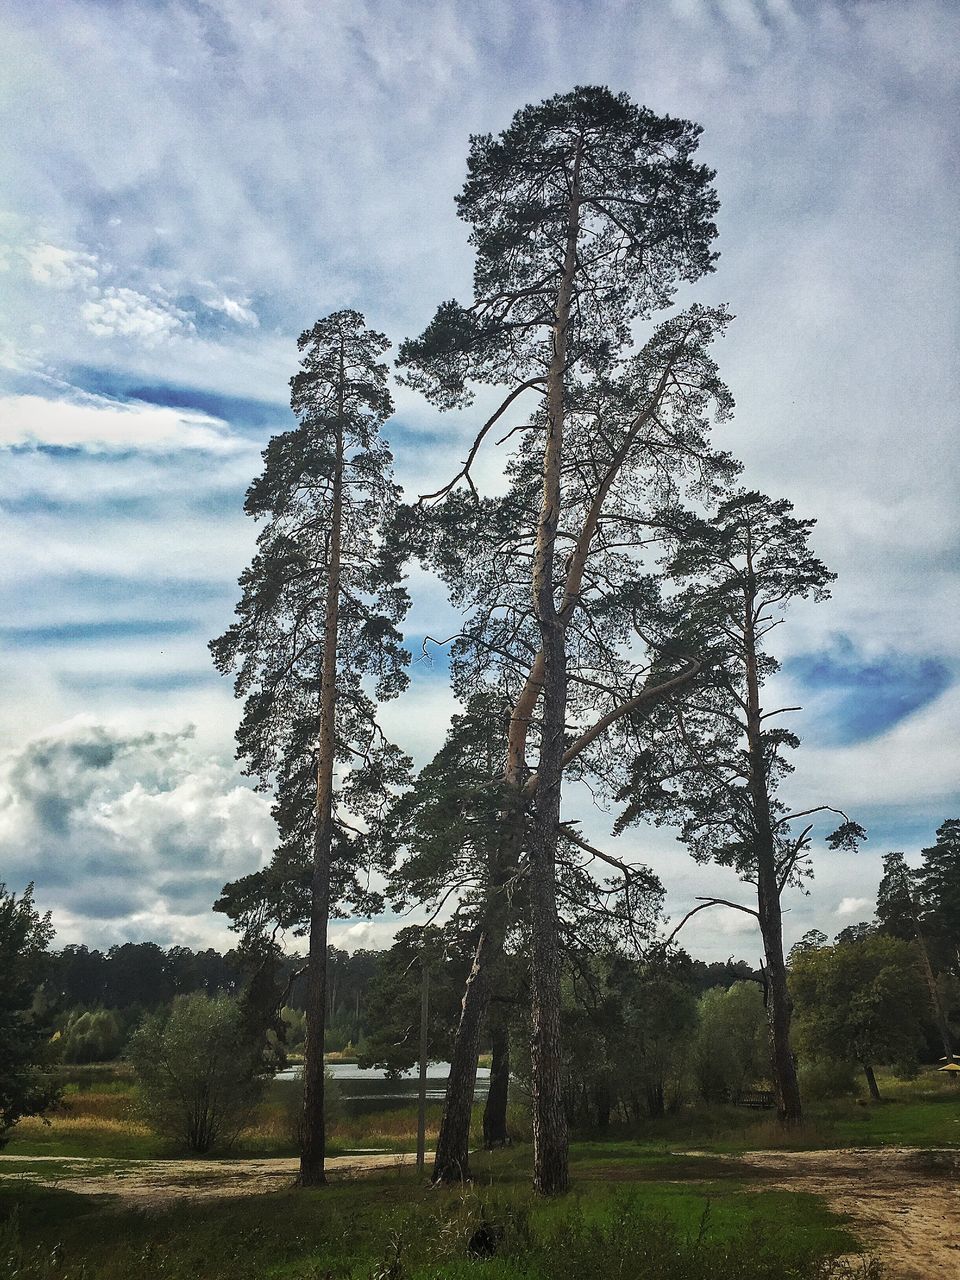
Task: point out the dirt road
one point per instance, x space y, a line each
149 1183
904 1204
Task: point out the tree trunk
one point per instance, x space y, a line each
786 1086
871 1081
495 1111
452 1159
779 1011
603 1105
313 1137
550 1175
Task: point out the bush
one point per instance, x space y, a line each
200 1070
824 1078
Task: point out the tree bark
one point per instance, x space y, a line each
550 1143
871 1081
786 1086
452 1159
495 1111
313 1138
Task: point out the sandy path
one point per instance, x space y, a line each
903 1203
149 1183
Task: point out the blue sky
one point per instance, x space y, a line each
188 185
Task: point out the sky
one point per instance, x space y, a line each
185 186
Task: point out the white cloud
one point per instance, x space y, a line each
124 313
102 424
118 827
855 907
60 268
236 309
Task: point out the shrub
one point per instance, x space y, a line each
200 1070
823 1078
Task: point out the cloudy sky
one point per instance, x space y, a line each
184 186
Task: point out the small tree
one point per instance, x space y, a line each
730 1051
859 1001
201 1072
25 1089
91 1035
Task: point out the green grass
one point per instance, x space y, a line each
392 1228
99 1119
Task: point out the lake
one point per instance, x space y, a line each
369 1089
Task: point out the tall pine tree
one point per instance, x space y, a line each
316 627
586 213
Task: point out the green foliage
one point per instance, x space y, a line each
25 1088
93 1035
275 646
393 1041
861 1000
938 883
646 220
200 1070
730 1052
827 1078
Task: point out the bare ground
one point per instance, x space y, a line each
154 1183
903 1203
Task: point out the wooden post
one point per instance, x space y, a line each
422 1094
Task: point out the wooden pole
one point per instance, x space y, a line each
422 1095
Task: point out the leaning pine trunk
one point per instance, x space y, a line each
313 1139
452 1159
871 1081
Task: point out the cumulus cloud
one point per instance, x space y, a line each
60 268
855 906
124 313
113 824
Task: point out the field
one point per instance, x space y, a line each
685 1198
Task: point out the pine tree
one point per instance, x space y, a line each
720 779
585 212
317 617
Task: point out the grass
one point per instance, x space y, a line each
392 1228
99 1118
